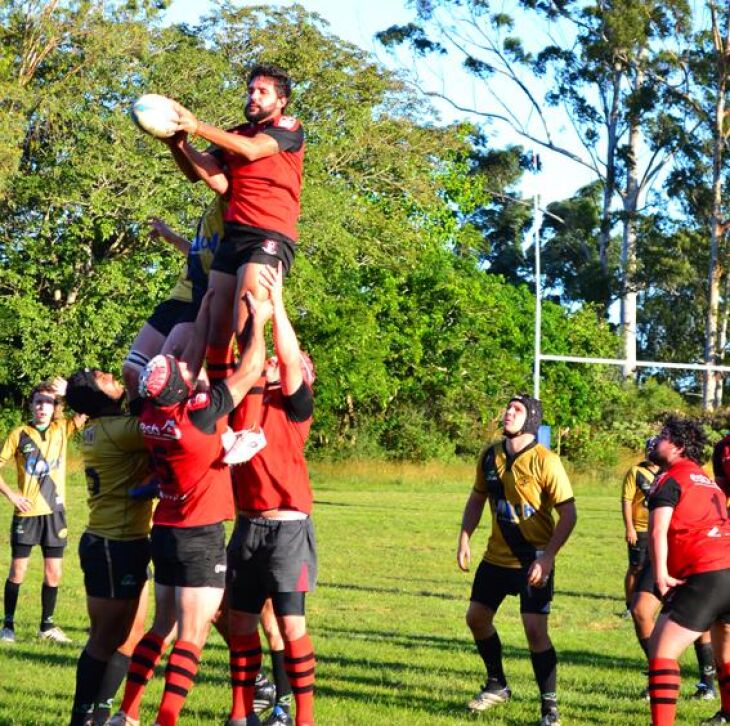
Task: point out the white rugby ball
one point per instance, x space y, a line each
155 114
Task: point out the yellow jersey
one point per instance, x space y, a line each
522 492
40 463
635 489
115 461
193 279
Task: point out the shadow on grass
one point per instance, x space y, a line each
388 590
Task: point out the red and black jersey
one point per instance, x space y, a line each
265 193
277 477
698 539
184 441
721 464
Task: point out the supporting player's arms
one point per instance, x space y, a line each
469 522
253 345
285 339
541 568
659 519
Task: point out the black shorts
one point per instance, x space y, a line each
639 552
645 580
493 583
47 530
242 244
189 556
112 568
703 600
267 557
171 312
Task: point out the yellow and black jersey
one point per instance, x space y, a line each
40 462
115 461
635 489
522 492
193 279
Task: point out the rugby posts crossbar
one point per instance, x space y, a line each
637 363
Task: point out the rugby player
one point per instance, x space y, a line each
182 430
272 552
259 166
523 482
114 549
172 321
689 540
39 517
635 510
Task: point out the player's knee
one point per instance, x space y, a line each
478 619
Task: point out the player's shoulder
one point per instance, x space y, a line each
288 123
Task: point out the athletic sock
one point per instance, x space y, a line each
114 675
89 673
299 660
490 649
12 590
644 643
182 666
723 680
278 671
664 680
705 663
245 663
545 668
49 595
146 656
219 362
247 415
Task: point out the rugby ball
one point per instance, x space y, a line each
155 115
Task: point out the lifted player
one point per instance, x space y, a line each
523 482
39 450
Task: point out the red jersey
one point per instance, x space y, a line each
265 193
277 477
185 446
698 539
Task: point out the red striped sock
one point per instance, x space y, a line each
220 362
723 681
182 665
664 680
146 656
299 662
245 662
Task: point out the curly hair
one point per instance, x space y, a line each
278 75
43 387
687 434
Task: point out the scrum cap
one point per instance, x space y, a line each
162 381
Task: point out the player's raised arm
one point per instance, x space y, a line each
197 165
159 229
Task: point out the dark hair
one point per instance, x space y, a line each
278 75
43 387
687 434
84 396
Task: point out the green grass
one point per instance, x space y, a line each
387 619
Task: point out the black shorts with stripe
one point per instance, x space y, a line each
268 558
47 530
702 600
493 583
189 556
114 569
242 244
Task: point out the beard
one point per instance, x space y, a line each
261 114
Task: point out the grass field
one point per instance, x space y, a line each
387 618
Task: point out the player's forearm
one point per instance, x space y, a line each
6 491
285 339
178 242
627 515
183 163
472 514
206 168
248 148
567 517
194 352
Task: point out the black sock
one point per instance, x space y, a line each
281 679
114 675
644 643
705 663
490 649
545 667
48 606
89 673
12 589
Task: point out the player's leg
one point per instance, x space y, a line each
721 648
219 353
637 555
53 546
705 690
146 345
177 340
535 609
298 657
20 557
644 607
281 688
491 585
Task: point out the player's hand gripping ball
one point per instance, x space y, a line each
156 115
